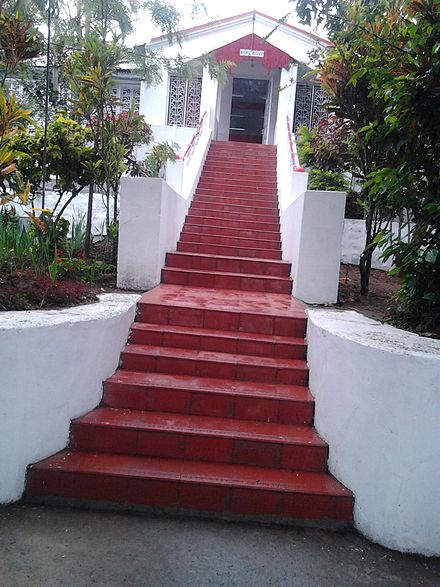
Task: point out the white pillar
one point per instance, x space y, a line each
316 222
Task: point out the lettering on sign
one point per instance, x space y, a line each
251 53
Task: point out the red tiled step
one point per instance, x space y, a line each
219 309
220 186
222 398
206 339
228 221
212 170
247 161
254 147
258 203
247 156
214 229
233 164
137 357
238 182
246 148
236 205
204 487
243 193
212 249
244 265
197 237
225 280
269 218
252 176
201 438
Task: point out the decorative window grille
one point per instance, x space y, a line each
318 110
127 97
130 97
309 101
184 99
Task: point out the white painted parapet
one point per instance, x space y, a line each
377 393
152 214
52 366
312 227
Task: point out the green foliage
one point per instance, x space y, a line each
15 242
160 154
383 75
153 164
304 138
19 39
69 157
328 180
82 270
12 119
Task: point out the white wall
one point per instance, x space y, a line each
52 365
311 225
209 99
353 243
154 101
152 213
377 396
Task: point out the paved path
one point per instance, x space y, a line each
51 547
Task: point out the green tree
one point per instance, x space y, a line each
383 74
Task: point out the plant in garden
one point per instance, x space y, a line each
69 152
325 149
383 75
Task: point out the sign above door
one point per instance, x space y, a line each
253 47
251 53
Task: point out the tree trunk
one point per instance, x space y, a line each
367 254
88 237
365 270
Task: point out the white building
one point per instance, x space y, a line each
267 56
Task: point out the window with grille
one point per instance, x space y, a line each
184 97
128 96
309 105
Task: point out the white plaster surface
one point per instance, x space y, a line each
377 393
311 232
52 365
152 215
353 243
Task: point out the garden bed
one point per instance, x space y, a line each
375 305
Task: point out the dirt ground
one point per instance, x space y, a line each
382 287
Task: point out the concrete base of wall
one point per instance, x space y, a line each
53 364
378 406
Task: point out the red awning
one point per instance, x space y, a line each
253 48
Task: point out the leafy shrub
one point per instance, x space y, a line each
327 180
417 303
82 270
23 290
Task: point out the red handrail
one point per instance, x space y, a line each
194 137
293 156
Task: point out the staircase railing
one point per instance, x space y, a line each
183 174
194 139
293 149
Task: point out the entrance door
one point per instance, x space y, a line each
248 110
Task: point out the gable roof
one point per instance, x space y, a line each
270 56
238 19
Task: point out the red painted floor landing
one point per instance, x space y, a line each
210 411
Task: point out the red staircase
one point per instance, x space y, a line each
210 410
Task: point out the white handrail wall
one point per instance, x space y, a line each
152 213
311 225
